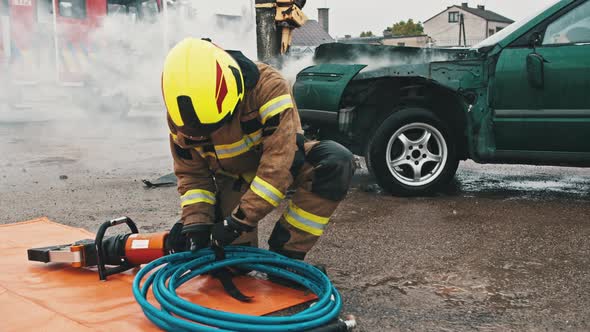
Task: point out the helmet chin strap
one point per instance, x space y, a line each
198 138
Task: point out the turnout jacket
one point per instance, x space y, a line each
258 146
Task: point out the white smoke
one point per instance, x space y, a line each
134 51
293 65
123 65
123 70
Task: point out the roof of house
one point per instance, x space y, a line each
310 34
487 15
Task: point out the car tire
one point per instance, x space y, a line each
412 153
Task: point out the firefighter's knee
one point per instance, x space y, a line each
333 170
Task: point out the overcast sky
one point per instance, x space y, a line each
352 17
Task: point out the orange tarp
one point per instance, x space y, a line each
57 297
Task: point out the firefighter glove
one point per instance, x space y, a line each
197 235
225 232
175 241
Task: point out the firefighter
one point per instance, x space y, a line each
237 145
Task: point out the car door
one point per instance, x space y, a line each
541 94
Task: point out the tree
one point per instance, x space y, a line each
367 34
403 28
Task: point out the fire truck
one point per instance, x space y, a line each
77 19
47 43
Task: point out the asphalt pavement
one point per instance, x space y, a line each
504 247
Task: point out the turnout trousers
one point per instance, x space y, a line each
320 184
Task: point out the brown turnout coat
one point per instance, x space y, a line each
258 145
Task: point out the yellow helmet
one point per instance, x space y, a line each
202 86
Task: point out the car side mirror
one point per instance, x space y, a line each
535 67
535 40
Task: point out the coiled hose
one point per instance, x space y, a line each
178 314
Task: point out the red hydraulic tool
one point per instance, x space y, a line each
124 251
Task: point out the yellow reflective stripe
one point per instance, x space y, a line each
275 106
305 221
267 192
197 196
204 154
174 137
242 146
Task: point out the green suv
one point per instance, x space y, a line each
521 96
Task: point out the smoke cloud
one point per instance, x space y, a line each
123 56
120 100
98 123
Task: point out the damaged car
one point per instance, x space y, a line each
520 96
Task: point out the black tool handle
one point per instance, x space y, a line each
103 272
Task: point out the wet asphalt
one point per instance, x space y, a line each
504 247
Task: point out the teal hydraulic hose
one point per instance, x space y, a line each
178 314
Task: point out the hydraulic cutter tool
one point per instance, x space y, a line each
122 252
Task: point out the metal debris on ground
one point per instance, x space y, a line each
167 180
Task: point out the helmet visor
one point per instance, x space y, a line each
192 125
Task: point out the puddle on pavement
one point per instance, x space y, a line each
508 183
531 186
451 288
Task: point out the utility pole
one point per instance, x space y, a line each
462 30
268 36
464 34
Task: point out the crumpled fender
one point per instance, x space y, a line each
321 87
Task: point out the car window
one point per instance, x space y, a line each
133 13
149 10
72 8
571 28
116 9
3 7
497 37
150 7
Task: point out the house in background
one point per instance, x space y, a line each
412 41
312 34
443 29
479 23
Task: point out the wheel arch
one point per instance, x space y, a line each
377 99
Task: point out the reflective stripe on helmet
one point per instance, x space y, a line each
197 196
275 106
305 221
267 192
